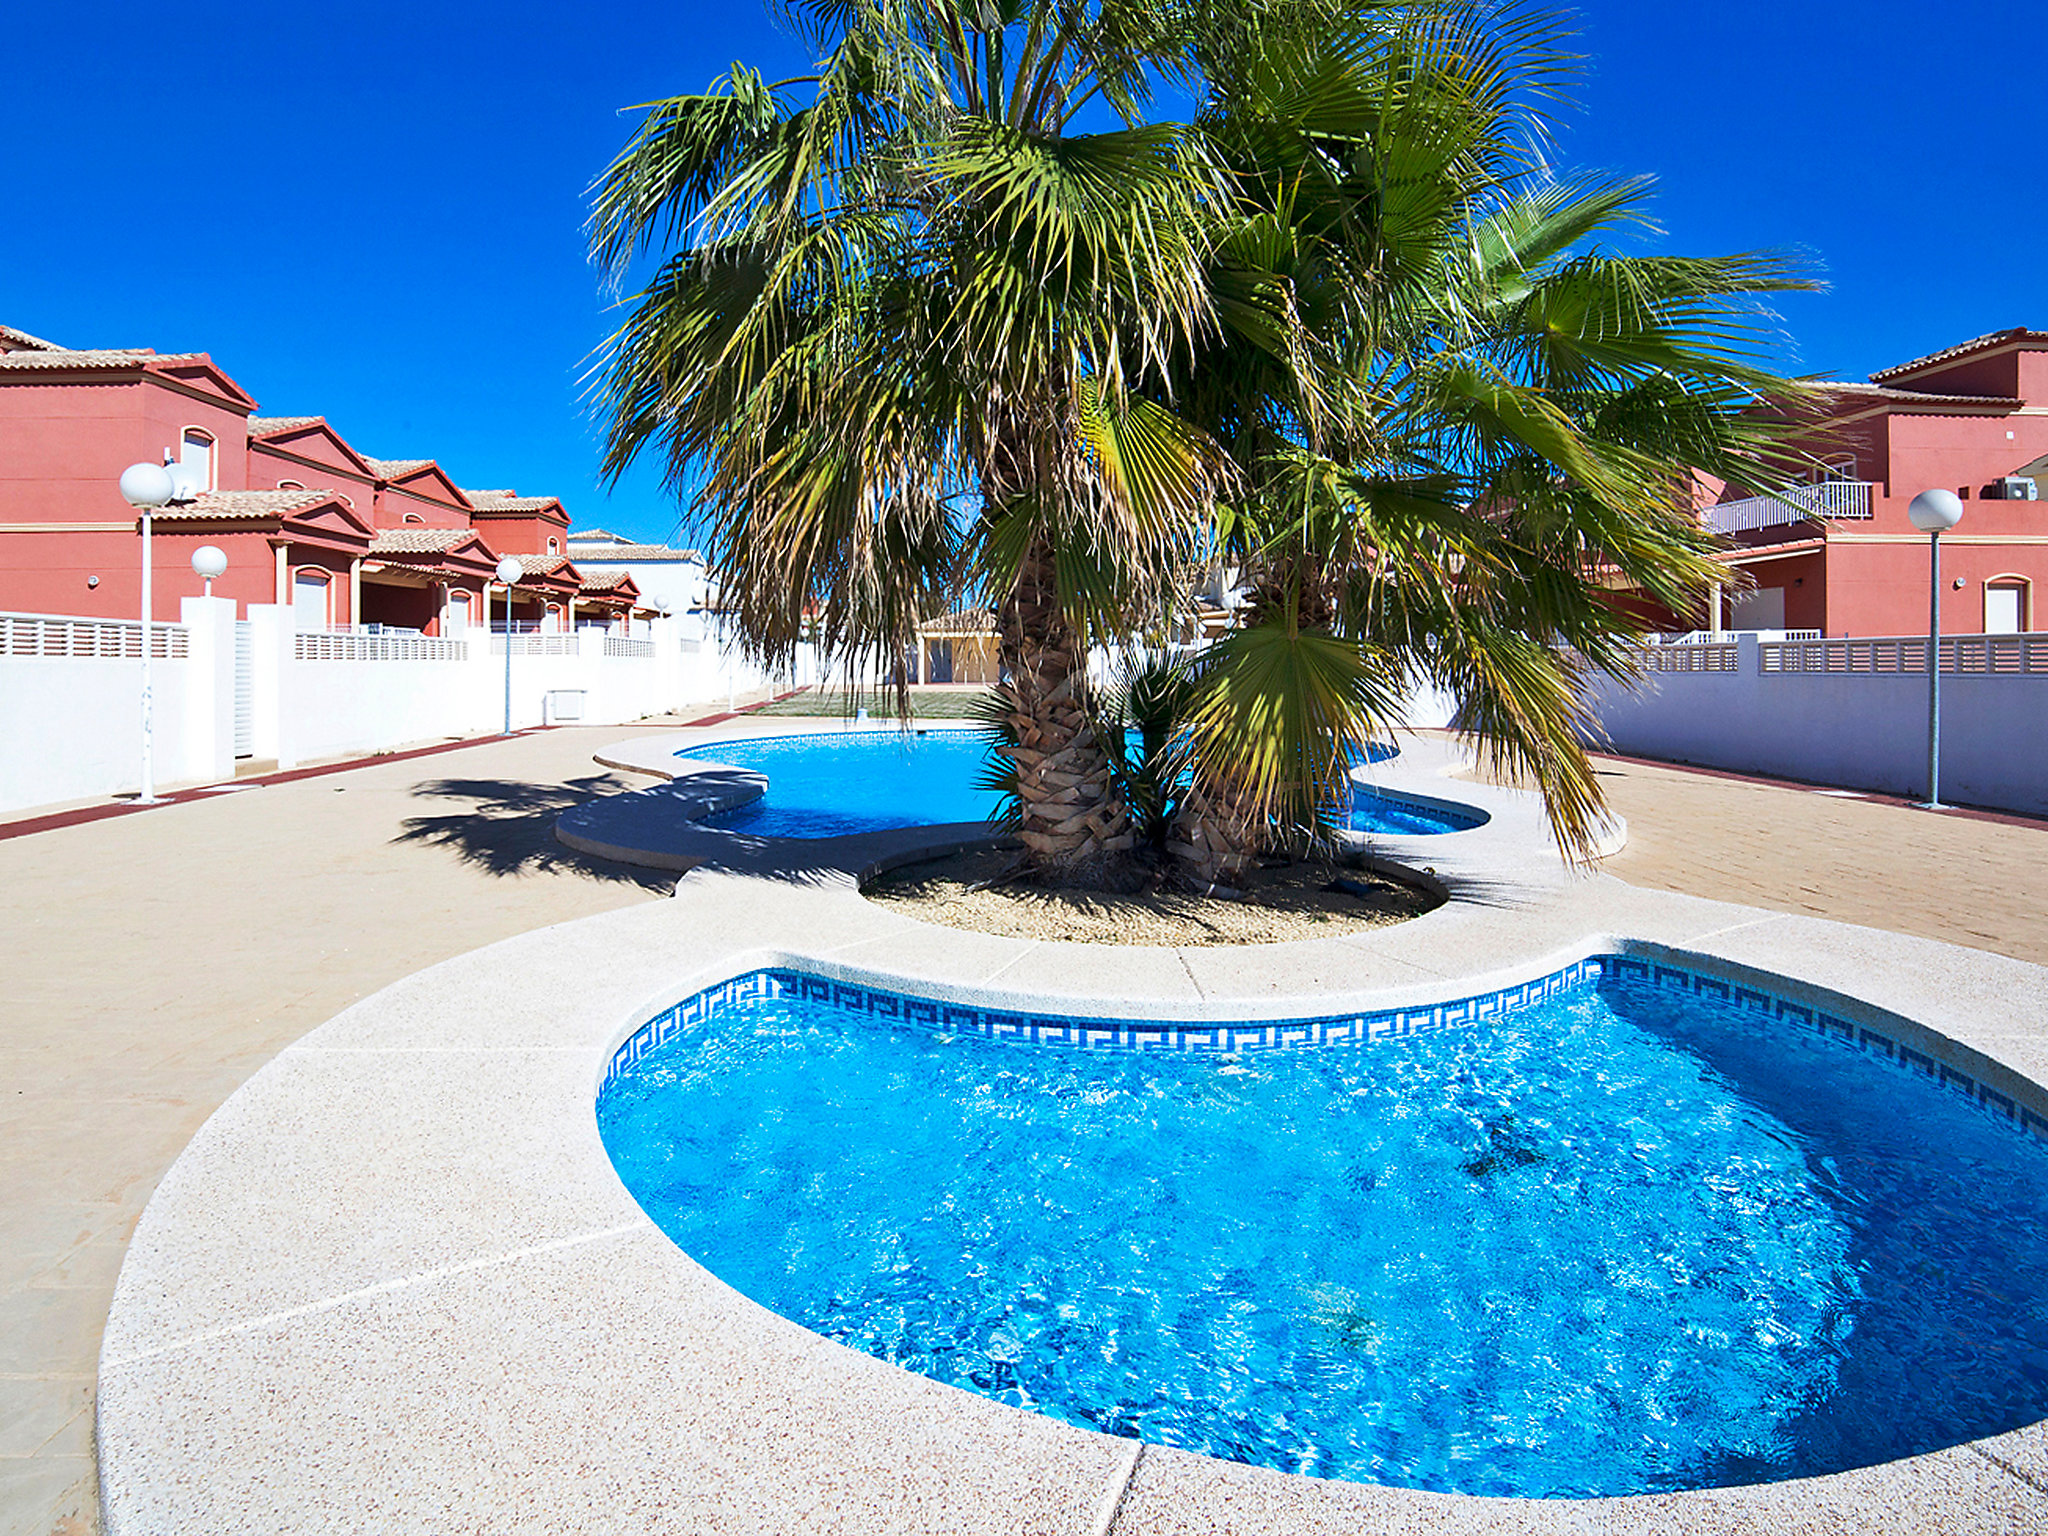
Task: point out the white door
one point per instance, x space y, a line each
1762 609
458 614
2002 615
309 602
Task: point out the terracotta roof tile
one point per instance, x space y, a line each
97 358
505 501
270 426
417 541
1887 393
1961 349
231 506
642 553
15 338
392 469
964 621
605 581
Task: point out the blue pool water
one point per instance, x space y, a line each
1619 1242
1386 816
839 782
834 783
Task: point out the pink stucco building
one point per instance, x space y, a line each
1840 556
304 517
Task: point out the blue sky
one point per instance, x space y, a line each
373 212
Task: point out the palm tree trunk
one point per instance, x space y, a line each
1213 839
1072 821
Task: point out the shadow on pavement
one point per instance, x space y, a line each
509 828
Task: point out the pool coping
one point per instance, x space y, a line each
660 827
394 1282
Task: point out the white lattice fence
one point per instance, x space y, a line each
41 634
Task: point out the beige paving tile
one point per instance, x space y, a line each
36 1412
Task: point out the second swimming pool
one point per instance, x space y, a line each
835 783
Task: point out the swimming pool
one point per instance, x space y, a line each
835 783
1612 1233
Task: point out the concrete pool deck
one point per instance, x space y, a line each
395 1284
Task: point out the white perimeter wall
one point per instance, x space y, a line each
1853 730
70 728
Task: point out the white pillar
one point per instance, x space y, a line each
206 740
355 593
284 588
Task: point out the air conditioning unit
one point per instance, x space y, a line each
2013 488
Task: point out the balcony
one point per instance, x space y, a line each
1832 499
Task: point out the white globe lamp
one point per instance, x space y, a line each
209 561
1934 513
146 487
509 571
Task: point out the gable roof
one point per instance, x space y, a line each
1984 343
405 475
179 367
609 581
306 510
503 503
273 432
397 469
418 541
237 506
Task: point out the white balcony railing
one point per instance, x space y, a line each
639 650
52 635
1723 636
1831 500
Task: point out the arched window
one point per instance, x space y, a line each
554 546
196 461
554 618
291 485
2005 605
414 517
309 598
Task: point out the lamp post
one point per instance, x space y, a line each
509 571
146 487
1934 513
209 561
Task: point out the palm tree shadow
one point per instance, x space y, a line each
508 829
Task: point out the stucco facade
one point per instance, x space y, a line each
1963 419
305 518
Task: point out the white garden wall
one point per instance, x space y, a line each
70 714
1855 730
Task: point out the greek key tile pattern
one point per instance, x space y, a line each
1099 1034
1621 971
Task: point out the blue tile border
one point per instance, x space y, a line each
1226 1037
1034 1028
1624 970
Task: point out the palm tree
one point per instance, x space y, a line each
952 309
902 332
1458 422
